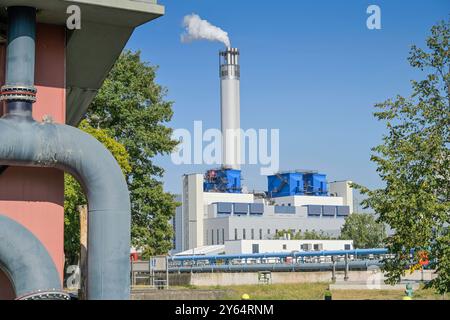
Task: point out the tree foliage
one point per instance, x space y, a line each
74 195
414 163
364 230
132 107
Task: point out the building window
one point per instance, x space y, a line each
207 237
347 247
223 236
212 236
253 234
268 231
284 247
260 234
243 234
235 234
255 248
218 237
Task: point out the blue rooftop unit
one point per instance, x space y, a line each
285 184
223 180
315 184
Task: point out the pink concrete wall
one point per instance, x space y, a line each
35 196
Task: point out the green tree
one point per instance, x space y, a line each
364 230
74 195
132 106
414 163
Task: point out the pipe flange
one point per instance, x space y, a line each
46 295
22 93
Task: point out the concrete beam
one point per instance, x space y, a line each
106 26
128 13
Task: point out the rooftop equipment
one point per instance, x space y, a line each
315 184
223 180
294 183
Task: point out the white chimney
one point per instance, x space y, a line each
230 108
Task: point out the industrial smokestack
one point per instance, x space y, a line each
230 108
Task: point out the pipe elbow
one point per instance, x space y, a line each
29 143
26 261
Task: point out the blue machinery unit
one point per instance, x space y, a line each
297 183
223 180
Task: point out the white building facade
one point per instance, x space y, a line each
284 246
212 218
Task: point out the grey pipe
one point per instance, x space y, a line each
21 46
25 142
29 143
25 260
275 267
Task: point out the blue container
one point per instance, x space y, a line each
241 208
314 210
329 211
315 184
285 184
223 180
256 208
343 211
224 208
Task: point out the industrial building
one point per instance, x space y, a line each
284 246
215 209
243 247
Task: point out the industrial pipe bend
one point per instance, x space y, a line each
27 262
29 143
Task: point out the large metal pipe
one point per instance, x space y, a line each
230 108
324 253
20 61
27 262
29 143
281 267
20 52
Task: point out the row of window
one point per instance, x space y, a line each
303 247
217 236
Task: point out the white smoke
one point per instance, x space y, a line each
198 29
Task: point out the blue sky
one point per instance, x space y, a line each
309 68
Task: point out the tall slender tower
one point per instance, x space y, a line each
230 108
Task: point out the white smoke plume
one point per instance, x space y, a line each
198 29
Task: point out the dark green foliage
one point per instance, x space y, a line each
132 107
363 230
414 163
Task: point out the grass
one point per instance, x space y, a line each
304 291
315 291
